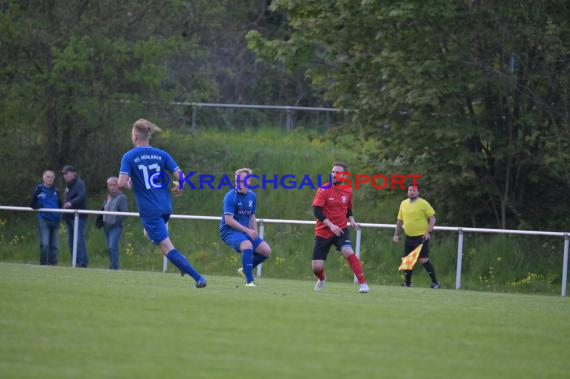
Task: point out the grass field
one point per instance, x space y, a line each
58 322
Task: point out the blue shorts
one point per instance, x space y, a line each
234 238
156 227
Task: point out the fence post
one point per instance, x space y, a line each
164 264
164 259
75 234
357 251
194 109
565 265
459 260
289 120
261 233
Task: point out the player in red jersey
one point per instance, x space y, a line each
333 206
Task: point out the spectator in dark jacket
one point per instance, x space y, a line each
116 201
75 198
46 195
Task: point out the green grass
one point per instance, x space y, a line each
59 322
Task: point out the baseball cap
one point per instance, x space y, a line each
67 168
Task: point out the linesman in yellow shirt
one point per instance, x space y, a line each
417 218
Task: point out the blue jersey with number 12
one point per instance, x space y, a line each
147 166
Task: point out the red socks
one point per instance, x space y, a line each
354 264
320 274
356 267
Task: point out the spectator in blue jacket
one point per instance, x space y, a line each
75 198
46 195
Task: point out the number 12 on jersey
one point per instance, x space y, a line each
149 180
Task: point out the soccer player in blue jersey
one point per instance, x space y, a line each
144 170
238 228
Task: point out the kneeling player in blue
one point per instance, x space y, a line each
238 228
144 170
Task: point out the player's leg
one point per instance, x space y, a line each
167 248
246 248
241 243
424 260
354 263
344 245
318 266
320 251
409 245
261 251
158 234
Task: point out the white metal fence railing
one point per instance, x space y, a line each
263 221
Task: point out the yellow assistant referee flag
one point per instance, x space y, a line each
410 260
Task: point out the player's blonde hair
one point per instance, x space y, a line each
144 128
245 170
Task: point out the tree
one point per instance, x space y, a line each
73 76
472 94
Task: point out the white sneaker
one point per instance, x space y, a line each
320 284
250 285
363 288
242 274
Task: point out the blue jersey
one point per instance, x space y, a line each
46 197
240 205
147 166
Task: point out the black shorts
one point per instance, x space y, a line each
323 245
413 242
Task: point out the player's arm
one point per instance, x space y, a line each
125 181
351 219
125 172
318 211
252 222
231 221
252 218
177 189
398 231
431 221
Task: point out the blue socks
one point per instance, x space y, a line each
257 259
183 265
247 264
